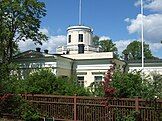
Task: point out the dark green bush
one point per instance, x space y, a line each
44 82
15 106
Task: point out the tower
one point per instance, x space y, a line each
79 38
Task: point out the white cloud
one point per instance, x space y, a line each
153 5
104 38
44 31
152 24
155 47
122 44
27 45
52 43
127 20
152 27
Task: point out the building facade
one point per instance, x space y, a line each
79 58
150 66
33 60
89 62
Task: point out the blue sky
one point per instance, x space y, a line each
115 19
106 17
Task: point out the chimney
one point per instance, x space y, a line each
38 49
46 51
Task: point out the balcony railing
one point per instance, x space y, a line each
75 48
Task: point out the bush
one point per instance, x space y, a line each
15 106
44 82
129 85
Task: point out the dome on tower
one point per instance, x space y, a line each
79 40
80 27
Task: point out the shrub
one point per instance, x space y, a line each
14 105
44 82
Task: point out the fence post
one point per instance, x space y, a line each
75 108
25 96
136 104
137 109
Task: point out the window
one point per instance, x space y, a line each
81 80
69 38
80 37
97 79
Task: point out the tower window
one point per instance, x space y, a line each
80 37
69 38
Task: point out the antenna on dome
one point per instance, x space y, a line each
80 12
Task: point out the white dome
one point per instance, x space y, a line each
79 28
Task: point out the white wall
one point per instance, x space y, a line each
102 55
147 70
90 71
74 31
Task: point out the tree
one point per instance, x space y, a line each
108 46
105 45
19 20
134 49
96 40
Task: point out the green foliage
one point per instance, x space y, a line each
71 87
130 117
105 45
39 82
15 105
131 84
19 20
44 82
96 89
134 51
27 112
155 85
127 84
108 46
96 40
6 77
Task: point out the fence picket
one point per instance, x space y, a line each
76 108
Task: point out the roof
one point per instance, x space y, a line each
90 56
79 27
32 54
146 61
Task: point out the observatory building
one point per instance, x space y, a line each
78 58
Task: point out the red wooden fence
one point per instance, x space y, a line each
76 108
